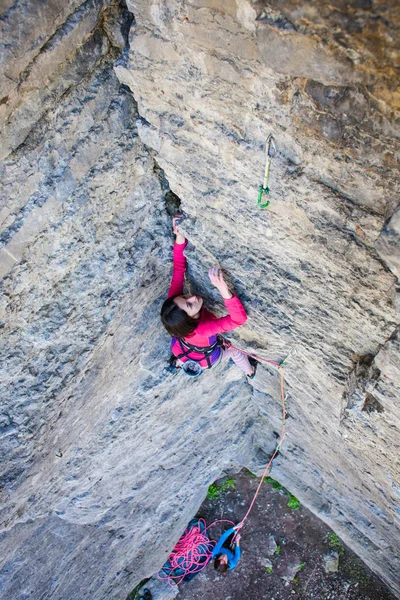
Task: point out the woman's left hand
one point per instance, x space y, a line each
180 238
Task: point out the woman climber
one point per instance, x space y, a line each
226 558
194 329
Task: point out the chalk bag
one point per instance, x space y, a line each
191 368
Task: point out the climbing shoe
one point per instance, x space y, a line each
146 594
254 364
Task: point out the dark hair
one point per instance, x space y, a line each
176 321
219 566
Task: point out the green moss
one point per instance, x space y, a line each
229 484
214 491
294 503
334 542
275 484
277 551
358 574
301 565
268 569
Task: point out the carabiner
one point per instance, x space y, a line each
270 151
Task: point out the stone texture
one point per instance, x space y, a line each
105 456
161 590
271 546
267 563
291 569
331 562
99 445
212 80
388 243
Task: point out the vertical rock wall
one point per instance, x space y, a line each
318 269
104 456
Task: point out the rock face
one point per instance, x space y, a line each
105 456
318 269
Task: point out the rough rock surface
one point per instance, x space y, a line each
318 269
105 456
331 562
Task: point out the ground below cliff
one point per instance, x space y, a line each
287 553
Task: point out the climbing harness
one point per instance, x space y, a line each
191 554
190 349
270 151
191 367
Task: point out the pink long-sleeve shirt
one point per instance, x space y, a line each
209 325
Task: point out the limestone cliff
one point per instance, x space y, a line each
105 456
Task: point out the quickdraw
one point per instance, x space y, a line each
270 151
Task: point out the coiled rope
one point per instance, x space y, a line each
191 554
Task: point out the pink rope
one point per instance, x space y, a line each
229 344
277 449
279 366
191 554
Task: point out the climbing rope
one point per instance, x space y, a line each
193 550
277 449
191 554
280 367
270 151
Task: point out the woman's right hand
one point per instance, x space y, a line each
217 278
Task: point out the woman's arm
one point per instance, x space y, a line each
218 547
237 314
236 557
179 267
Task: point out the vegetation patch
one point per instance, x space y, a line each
275 484
335 542
358 574
215 490
294 503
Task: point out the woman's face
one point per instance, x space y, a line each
223 559
190 304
